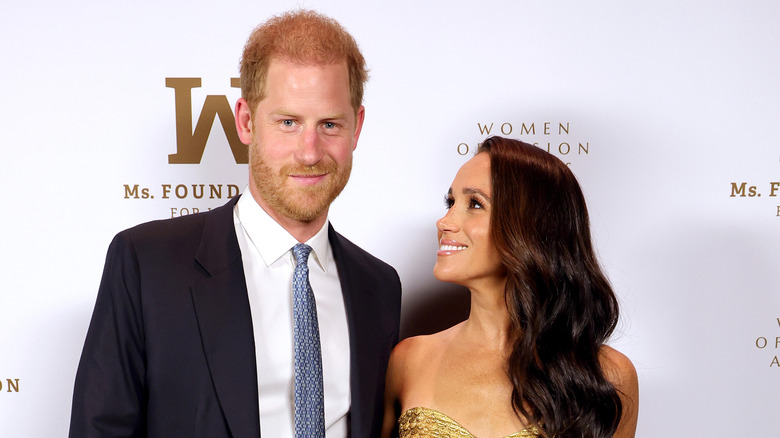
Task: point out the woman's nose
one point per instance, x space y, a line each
446 223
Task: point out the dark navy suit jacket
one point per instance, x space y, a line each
170 349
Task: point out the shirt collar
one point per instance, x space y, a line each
271 239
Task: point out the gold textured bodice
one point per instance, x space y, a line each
428 423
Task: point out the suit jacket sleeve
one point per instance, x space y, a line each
109 394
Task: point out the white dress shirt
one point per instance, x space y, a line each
266 250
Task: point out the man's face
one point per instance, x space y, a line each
303 135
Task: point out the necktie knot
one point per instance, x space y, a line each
301 252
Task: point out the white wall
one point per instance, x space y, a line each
676 100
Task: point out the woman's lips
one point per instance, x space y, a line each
449 247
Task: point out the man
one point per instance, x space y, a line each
194 332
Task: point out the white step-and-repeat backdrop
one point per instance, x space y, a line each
667 111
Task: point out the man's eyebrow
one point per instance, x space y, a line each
337 116
284 112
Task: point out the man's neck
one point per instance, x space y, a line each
300 230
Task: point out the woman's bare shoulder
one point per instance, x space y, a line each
620 371
411 363
618 368
417 351
418 347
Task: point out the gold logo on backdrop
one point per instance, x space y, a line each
555 137
191 144
773 343
11 384
744 190
183 192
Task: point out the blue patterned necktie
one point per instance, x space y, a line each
309 398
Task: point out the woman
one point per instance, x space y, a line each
530 360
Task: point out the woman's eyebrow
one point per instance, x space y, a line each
474 191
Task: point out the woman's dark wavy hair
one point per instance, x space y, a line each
561 305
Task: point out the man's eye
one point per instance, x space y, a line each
329 125
287 122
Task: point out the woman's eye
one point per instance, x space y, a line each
473 203
448 202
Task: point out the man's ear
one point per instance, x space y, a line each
244 121
361 114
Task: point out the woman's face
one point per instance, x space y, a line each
466 253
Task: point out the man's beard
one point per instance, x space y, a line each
301 203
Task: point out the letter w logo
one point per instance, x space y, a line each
191 144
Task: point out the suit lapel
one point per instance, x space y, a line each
222 308
363 334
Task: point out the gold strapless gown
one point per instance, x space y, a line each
428 423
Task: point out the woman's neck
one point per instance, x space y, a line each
489 322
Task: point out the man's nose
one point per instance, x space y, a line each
310 150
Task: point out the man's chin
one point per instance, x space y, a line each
306 211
